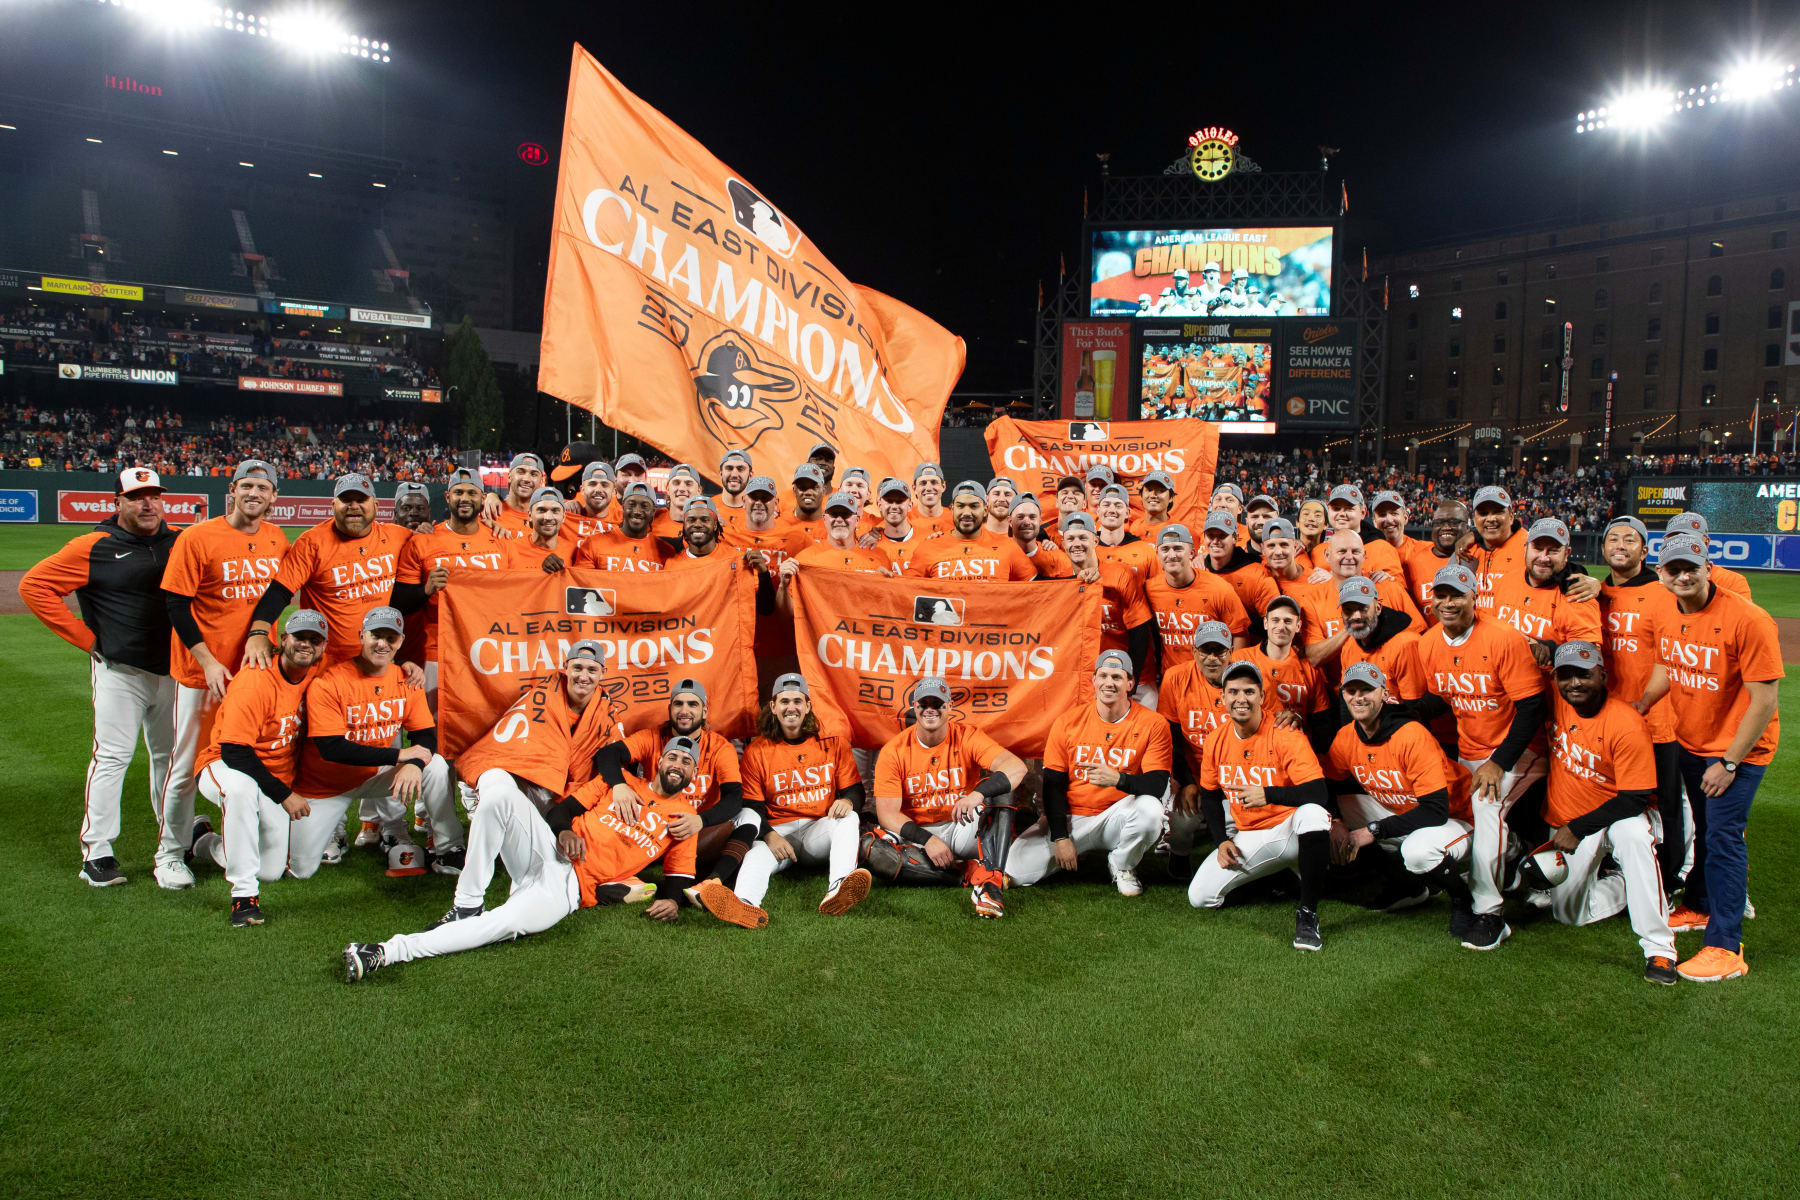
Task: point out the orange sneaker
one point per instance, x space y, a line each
1686 920
724 904
1712 964
848 894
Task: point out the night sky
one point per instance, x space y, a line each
941 157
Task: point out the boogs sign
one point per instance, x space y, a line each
683 307
1037 453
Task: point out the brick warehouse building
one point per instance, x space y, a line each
1692 307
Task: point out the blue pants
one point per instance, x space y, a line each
1720 878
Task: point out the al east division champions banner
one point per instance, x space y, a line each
500 632
684 308
1016 655
1221 273
1035 454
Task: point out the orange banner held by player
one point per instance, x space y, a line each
686 309
1035 454
500 632
1016 655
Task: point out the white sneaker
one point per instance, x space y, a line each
1126 881
369 834
335 849
173 876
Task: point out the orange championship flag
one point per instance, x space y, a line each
1035 454
687 310
501 632
1016 655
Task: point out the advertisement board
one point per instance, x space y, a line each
1211 371
90 508
312 510
291 387
18 505
420 395
189 299
1225 273
1752 504
1092 353
376 316
105 374
1316 387
91 287
305 308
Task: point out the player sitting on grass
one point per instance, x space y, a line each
580 857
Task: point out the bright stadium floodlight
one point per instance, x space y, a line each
1641 109
173 15
304 30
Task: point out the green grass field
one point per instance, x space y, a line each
1085 1045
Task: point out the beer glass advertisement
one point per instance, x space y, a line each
1208 371
1222 273
1093 353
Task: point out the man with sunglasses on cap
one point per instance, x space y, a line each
115 574
1532 601
944 803
965 552
735 470
1694 524
247 767
217 571
1601 803
631 546
929 516
431 560
580 856
1279 807
355 710
1106 769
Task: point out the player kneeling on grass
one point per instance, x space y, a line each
354 711
1398 791
248 769
582 855
1106 769
934 827
1602 800
807 787
1279 806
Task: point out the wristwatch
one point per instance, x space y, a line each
1728 765
1373 829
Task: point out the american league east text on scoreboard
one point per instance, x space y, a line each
1755 520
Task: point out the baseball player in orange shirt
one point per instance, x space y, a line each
944 803
1156 492
1602 801
996 523
431 560
1724 577
1396 789
580 856
355 709
806 786
1112 507
217 572
1106 769
1183 597
1497 551
1026 520
543 547
1290 683
805 513
1721 667
247 768
1344 556
681 485
1381 636
1194 704
965 552
1348 515
631 546
1532 600
701 530
1126 622
929 514
898 539
1418 560
716 790
838 552
511 511
1483 671
1245 572
735 470
1321 623
1279 807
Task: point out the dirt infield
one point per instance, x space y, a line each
9 593
1789 628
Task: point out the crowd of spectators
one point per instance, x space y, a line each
1785 463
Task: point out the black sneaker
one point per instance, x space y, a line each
1660 970
450 862
1306 929
1462 918
245 912
456 914
1486 932
363 959
1402 895
200 828
102 872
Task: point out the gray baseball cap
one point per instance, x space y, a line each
682 470
928 469
1347 492
793 681
1220 520
597 467
856 472
307 620
1278 527
463 475
1455 576
1212 633
931 688
1365 673
841 501
1548 528
586 648
1263 500
1116 659
383 616
1387 497
1493 495
526 459
1584 656
890 486
1233 488
630 462
1241 667
683 744
1681 547
1100 472
1076 520
253 466
999 480
1687 522
1021 500
352 483
1115 491
823 448
807 473
689 687
967 487
760 485
637 487
701 502
1356 590
1633 524
403 490
1159 479
1175 532
547 493
739 455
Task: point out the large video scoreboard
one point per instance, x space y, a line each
1754 520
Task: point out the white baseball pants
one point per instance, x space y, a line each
195 709
253 843
1264 851
1126 831
310 835
545 888
963 837
1584 897
1422 850
127 701
1488 849
827 841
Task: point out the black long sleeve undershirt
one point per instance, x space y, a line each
408 597
765 593
1528 718
1056 803
855 794
1433 808
243 759
1212 807
727 807
609 763
273 603
181 617
1138 640
343 750
1621 806
1145 783
1183 769
1212 803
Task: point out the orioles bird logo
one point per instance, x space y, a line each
613 692
735 391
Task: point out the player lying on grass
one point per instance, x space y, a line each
582 855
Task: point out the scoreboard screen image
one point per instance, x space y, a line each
1218 372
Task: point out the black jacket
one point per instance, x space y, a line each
122 600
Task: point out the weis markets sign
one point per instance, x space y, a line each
179 508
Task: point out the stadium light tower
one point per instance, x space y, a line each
1640 109
303 29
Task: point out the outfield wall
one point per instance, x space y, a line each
85 498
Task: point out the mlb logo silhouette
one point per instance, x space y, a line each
1087 431
758 218
937 610
590 602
